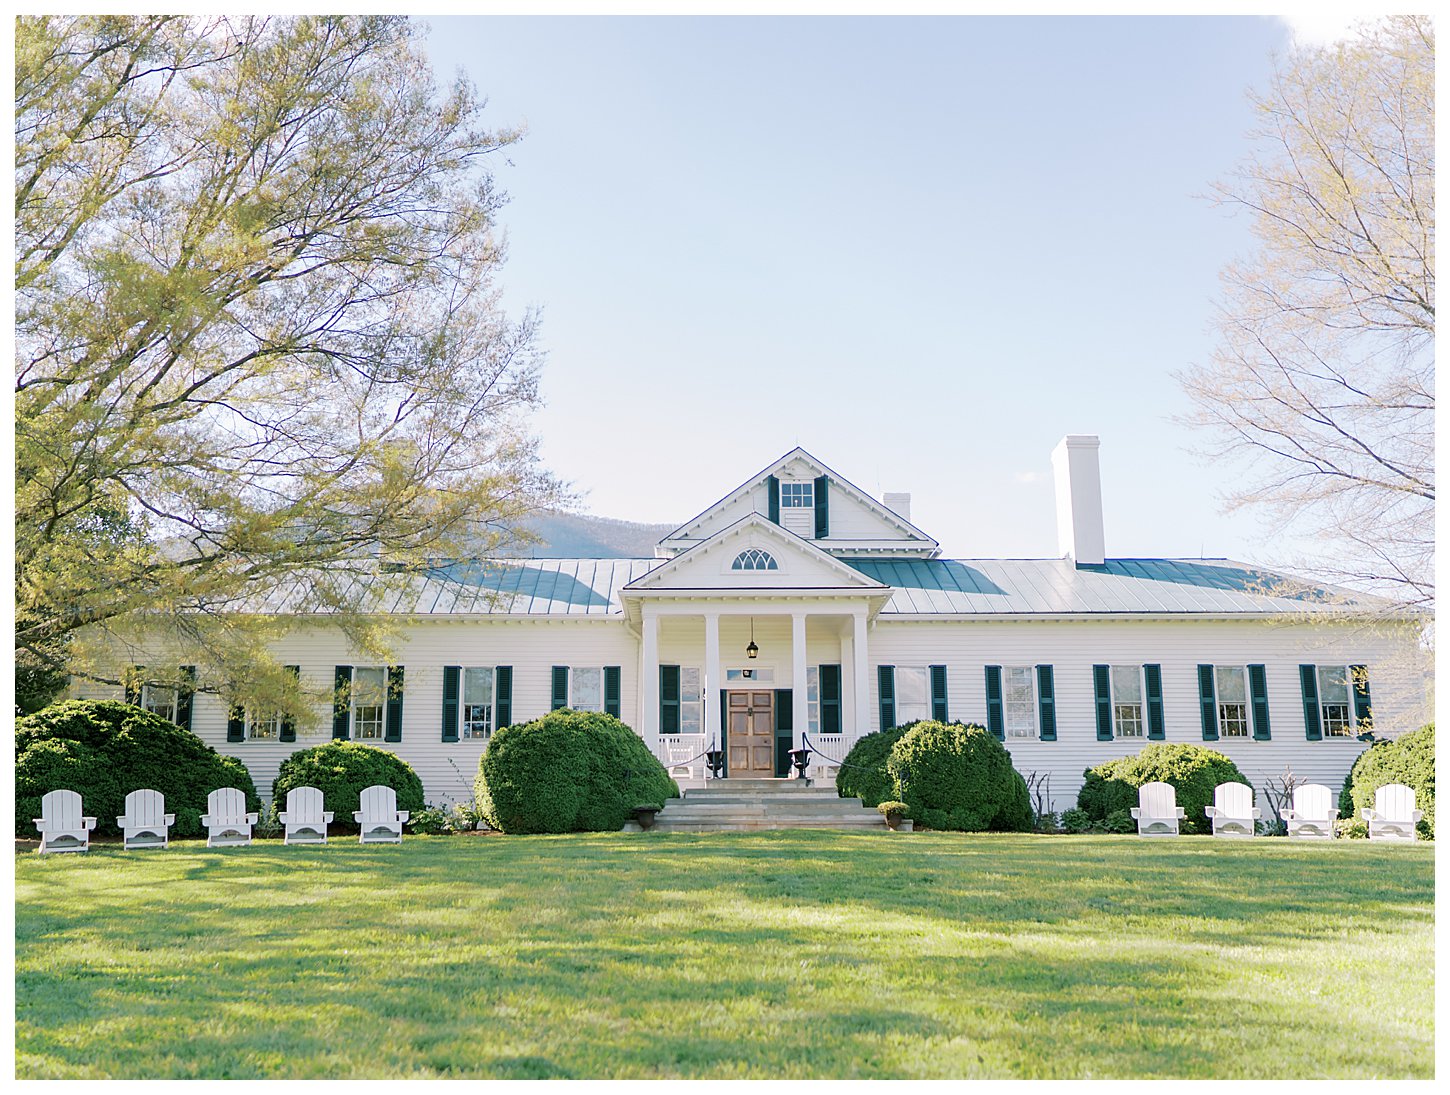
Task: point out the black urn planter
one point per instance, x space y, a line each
645 815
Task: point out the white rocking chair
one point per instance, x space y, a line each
1393 815
145 824
1313 813
1233 812
1157 812
62 828
227 822
380 818
304 821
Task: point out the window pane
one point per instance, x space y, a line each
586 685
265 729
367 685
689 685
1127 684
160 701
1229 680
913 694
1019 701
478 685
1333 684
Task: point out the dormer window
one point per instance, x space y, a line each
797 495
754 559
798 507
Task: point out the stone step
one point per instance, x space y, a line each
747 824
759 809
831 798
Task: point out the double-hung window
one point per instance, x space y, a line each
913 694
692 701
476 710
1334 702
1019 701
159 700
264 727
813 698
369 692
1127 684
586 688
1231 689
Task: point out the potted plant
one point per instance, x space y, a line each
645 813
893 812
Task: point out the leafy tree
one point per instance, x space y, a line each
1323 373
258 338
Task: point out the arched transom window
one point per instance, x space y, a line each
754 559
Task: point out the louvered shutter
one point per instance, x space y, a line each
784 730
393 709
828 680
133 684
669 699
1207 703
1153 692
939 693
1103 701
185 696
611 690
823 517
772 498
236 723
341 701
1309 688
886 694
503 696
1359 674
559 693
1259 696
289 721
994 702
452 677
1046 705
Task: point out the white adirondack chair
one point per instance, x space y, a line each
62 828
304 821
683 756
1393 815
1157 812
1233 812
145 824
380 818
226 819
1313 813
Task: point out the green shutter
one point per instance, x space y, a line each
1309 687
559 694
289 721
1363 717
828 684
132 685
772 495
1207 704
1103 701
393 709
611 690
185 693
724 734
994 702
784 730
823 517
1046 705
452 675
503 696
1259 695
939 692
886 689
341 700
236 723
669 699
1153 692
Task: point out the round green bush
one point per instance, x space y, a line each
103 750
568 772
959 777
342 770
863 772
1193 770
1408 759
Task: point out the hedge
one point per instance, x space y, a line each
959 777
1408 759
1193 770
105 749
863 772
341 770
568 772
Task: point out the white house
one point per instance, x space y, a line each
797 604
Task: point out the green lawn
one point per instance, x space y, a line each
796 954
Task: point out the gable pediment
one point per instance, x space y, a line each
754 554
856 523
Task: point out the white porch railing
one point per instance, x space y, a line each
682 755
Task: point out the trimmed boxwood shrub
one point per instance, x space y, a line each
103 750
863 772
342 770
1408 759
1193 770
959 777
568 772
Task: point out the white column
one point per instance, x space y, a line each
848 678
858 683
800 708
649 679
714 678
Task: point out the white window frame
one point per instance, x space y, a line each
363 717
468 724
757 675
1233 723
574 672
925 703
692 709
1350 727
151 700
1021 730
798 494
813 698
1120 719
754 559
265 727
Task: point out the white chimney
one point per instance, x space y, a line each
1079 498
899 504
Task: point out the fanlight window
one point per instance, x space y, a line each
754 559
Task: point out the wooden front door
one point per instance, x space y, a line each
752 733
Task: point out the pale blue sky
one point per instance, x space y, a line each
922 248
